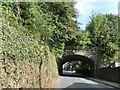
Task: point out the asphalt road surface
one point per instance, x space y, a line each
71 82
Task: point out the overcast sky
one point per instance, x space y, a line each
87 7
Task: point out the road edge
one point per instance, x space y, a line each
113 84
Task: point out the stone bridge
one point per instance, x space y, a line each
88 55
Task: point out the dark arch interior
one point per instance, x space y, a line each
75 57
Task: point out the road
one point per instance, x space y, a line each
71 82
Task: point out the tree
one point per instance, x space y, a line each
103 34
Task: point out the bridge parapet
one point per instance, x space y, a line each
92 54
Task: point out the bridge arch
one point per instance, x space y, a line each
76 57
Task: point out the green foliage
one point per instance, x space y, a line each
29 32
103 34
78 67
79 40
20 45
72 65
48 23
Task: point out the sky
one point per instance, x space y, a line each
85 9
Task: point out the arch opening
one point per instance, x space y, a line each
76 68
69 58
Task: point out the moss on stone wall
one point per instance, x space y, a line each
48 70
29 74
24 62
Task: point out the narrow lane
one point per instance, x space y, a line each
78 83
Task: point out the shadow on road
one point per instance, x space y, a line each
85 86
